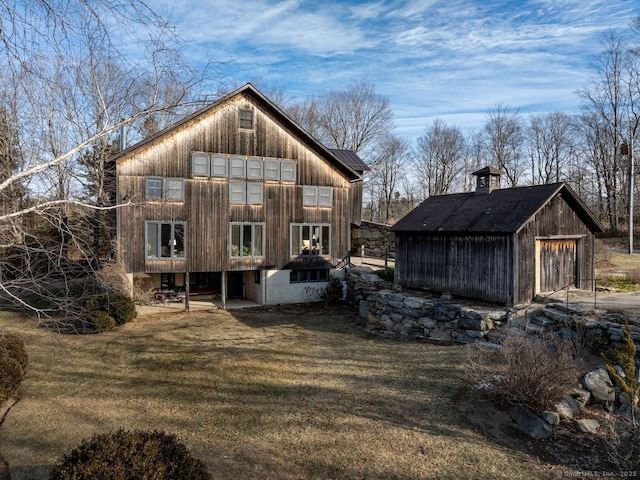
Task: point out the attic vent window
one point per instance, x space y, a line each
245 118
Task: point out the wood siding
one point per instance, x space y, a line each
556 221
469 266
553 245
206 209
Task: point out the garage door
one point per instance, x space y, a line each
558 264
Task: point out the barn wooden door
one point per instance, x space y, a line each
557 264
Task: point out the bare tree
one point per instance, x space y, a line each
388 166
503 141
611 102
355 119
77 87
439 159
550 145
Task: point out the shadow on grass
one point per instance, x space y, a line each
304 393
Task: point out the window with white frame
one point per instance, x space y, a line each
165 240
200 164
310 239
169 189
219 165
237 167
271 169
309 196
254 168
255 193
325 196
313 196
246 240
154 188
174 189
288 171
237 192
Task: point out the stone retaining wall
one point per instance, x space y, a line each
402 313
395 313
377 238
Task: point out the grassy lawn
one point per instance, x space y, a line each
296 394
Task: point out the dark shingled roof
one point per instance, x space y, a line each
351 159
501 211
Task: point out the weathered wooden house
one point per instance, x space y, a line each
499 245
240 197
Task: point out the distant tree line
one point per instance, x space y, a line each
588 149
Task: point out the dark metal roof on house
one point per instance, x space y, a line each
351 159
503 211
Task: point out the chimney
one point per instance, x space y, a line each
488 180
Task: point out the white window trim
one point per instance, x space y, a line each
207 159
147 189
219 162
172 255
286 175
238 192
253 236
267 163
325 196
164 189
234 163
309 196
255 168
299 252
255 193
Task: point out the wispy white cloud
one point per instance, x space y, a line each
451 59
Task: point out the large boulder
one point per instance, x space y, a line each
530 423
599 384
568 407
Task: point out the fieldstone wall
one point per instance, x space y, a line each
397 313
402 313
376 238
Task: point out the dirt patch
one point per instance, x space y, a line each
569 453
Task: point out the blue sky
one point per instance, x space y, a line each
433 59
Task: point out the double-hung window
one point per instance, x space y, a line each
288 171
169 189
154 188
165 240
250 193
246 240
200 164
237 167
271 169
309 239
245 118
313 196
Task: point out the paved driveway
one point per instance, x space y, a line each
614 302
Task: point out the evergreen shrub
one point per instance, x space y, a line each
130 455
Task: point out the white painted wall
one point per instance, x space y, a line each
279 290
252 290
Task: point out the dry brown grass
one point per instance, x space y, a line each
256 395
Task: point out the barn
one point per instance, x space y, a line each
499 245
237 201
